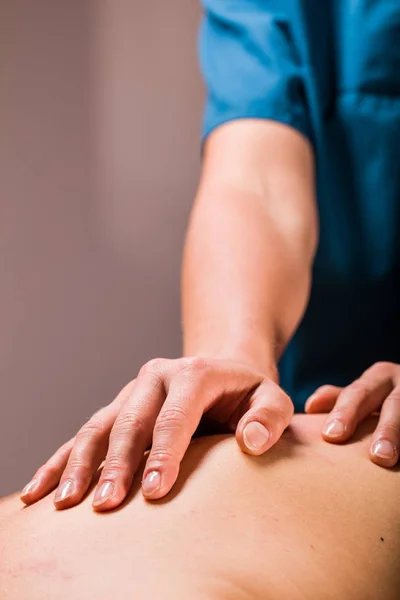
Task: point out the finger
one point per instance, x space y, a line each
196 390
174 428
129 438
270 412
88 452
355 403
385 444
47 477
323 399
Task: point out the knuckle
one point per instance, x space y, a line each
155 366
396 397
94 427
273 415
287 406
131 421
196 363
358 388
172 418
193 368
49 468
381 369
161 455
281 414
125 393
282 403
324 388
391 428
278 407
114 466
382 365
78 463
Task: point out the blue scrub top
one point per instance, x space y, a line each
331 70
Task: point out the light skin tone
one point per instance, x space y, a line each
246 280
306 520
378 389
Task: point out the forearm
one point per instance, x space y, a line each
247 264
245 285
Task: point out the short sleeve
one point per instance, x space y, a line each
251 65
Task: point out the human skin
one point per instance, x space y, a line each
251 241
305 520
246 280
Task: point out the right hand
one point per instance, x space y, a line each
163 406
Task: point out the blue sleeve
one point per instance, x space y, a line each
251 65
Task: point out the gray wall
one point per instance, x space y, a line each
100 108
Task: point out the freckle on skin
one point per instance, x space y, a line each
382 540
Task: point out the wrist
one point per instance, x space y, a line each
259 361
257 353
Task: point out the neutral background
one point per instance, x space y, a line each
100 109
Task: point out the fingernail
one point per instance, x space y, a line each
103 493
65 490
151 483
256 436
30 487
383 449
334 428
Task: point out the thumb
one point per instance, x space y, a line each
270 412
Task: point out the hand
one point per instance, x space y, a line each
378 388
164 405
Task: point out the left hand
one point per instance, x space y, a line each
378 388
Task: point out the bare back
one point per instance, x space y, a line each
307 521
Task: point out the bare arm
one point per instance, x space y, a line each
246 280
250 244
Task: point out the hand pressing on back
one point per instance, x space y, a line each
377 390
163 407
